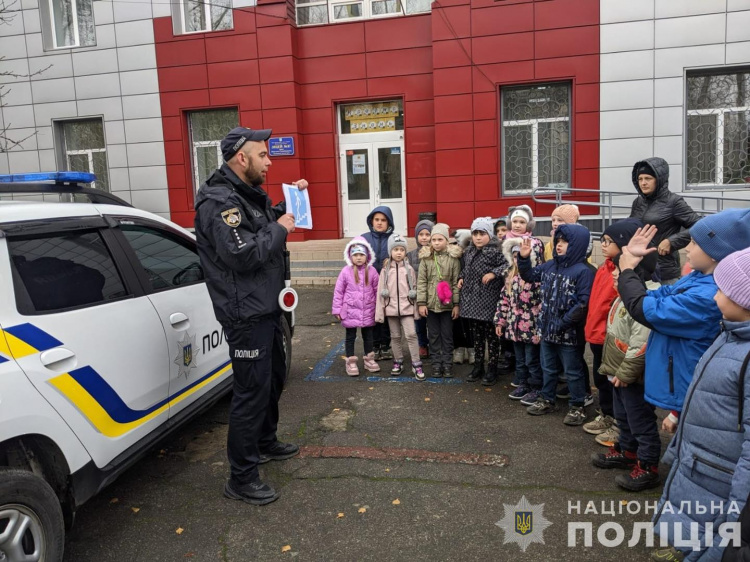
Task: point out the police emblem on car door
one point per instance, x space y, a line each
186 354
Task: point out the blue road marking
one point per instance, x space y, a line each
320 372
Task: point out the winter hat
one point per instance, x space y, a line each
723 233
423 225
645 168
569 213
483 224
525 212
357 249
622 231
442 229
732 276
395 241
645 269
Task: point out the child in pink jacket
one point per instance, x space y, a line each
397 297
354 302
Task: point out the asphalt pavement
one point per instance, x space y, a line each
390 470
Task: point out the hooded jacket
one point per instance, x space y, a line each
520 302
436 267
684 320
413 256
379 240
566 287
479 300
397 280
667 211
241 248
710 453
355 302
603 294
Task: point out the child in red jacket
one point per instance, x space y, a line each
603 295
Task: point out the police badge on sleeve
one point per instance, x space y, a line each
232 217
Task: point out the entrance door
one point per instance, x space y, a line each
372 174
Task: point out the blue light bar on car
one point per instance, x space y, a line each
58 177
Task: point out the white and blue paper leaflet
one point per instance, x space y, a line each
298 204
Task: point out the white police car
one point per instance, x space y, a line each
108 342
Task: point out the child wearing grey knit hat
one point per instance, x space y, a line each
423 235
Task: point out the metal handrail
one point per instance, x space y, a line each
607 205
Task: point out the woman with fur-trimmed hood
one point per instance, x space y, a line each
520 305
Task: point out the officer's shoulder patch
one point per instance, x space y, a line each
232 217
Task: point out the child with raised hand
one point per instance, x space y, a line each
566 286
397 295
603 294
422 234
354 302
710 454
481 282
519 307
437 296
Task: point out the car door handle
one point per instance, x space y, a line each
58 359
179 321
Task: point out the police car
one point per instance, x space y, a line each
108 342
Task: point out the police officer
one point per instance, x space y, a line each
241 243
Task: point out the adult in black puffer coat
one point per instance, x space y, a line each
668 211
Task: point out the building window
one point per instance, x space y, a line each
196 16
68 23
718 123
207 128
371 117
83 148
311 12
535 137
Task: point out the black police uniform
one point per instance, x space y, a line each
242 251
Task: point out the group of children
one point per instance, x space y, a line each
647 340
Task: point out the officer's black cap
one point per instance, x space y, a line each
239 136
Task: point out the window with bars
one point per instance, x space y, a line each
314 12
718 129
207 128
535 137
68 23
83 148
195 16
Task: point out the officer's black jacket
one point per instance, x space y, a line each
241 247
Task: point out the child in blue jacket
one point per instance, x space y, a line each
710 453
566 283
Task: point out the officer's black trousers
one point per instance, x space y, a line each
259 363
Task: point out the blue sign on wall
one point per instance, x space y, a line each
281 146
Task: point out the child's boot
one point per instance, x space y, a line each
386 352
370 363
458 355
644 476
448 371
471 355
476 373
490 378
416 368
351 367
398 367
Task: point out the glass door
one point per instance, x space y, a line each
357 193
391 180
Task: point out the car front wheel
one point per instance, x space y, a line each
31 519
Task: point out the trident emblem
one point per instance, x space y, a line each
524 522
187 354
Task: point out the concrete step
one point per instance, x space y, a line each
313 280
315 272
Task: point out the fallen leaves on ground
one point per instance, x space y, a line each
179 530
286 548
426 399
362 510
488 390
340 515
114 500
135 509
396 502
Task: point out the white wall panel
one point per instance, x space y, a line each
617 153
633 65
626 124
677 8
669 148
629 36
696 30
612 11
738 26
672 62
668 121
669 92
634 94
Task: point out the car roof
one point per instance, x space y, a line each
22 211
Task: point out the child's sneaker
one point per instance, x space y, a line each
575 416
588 400
416 368
472 357
386 353
424 353
447 371
643 477
518 393
378 354
600 424
398 367
541 407
371 364
459 355
351 367
614 458
609 438
670 554
437 371
563 392
531 397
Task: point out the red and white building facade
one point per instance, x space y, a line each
458 107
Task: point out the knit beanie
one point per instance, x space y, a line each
723 233
483 224
424 224
569 213
732 276
622 231
442 229
645 168
357 249
525 212
395 241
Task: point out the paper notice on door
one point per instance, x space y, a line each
298 203
358 164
